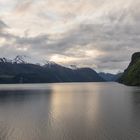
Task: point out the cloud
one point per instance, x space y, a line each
23 6
3 25
100 34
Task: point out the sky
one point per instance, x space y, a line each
101 34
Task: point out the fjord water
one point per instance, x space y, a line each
78 111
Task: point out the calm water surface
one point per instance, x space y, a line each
79 111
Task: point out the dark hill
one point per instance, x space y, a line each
131 75
49 73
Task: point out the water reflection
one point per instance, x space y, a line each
22 113
87 111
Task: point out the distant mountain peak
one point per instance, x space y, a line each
74 67
19 59
4 60
49 64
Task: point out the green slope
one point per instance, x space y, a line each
131 75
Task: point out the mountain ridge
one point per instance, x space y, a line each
110 77
22 72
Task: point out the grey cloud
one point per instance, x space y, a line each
38 40
23 6
116 44
3 25
116 38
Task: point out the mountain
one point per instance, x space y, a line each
131 75
110 77
21 72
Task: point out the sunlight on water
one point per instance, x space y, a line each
79 111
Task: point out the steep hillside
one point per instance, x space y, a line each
131 75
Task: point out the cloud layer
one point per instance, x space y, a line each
99 34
